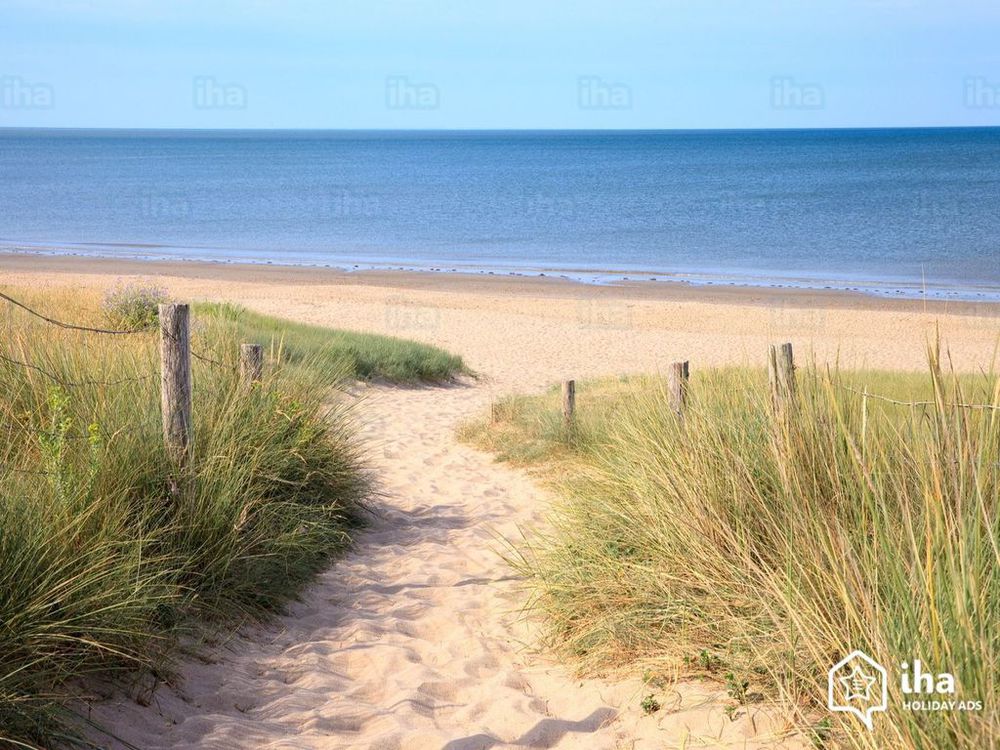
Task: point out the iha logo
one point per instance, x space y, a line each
858 684
942 685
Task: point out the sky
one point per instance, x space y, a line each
615 64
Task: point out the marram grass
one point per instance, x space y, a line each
758 550
366 356
107 555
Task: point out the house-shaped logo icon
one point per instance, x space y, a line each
858 684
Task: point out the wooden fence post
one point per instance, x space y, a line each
781 373
568 402
175 381
677 386
251 363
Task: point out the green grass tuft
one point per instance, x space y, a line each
107 554
774 547
365 356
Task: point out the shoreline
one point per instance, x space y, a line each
882 288
524 334
485 282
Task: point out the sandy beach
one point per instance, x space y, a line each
526 333
499 375
416 638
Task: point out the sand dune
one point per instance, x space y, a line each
416 638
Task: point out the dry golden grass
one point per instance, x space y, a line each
760 551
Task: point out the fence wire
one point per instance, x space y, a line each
90 329
897 402
78 383
68 326
213 362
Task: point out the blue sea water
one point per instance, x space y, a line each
894 211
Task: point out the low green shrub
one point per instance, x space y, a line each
134 306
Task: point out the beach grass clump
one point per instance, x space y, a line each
759 549
109 553
366 356
133 306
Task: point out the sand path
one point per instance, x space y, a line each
416 639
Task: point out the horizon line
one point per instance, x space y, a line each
8 128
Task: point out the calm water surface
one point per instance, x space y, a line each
891 211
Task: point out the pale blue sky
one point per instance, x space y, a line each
499 64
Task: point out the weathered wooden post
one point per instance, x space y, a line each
677 385
251 363
781 373
175 381
568 402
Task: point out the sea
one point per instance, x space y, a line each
892 212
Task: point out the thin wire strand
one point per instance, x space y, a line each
69 326
74 384
197 355
89 329
210 361
877 397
